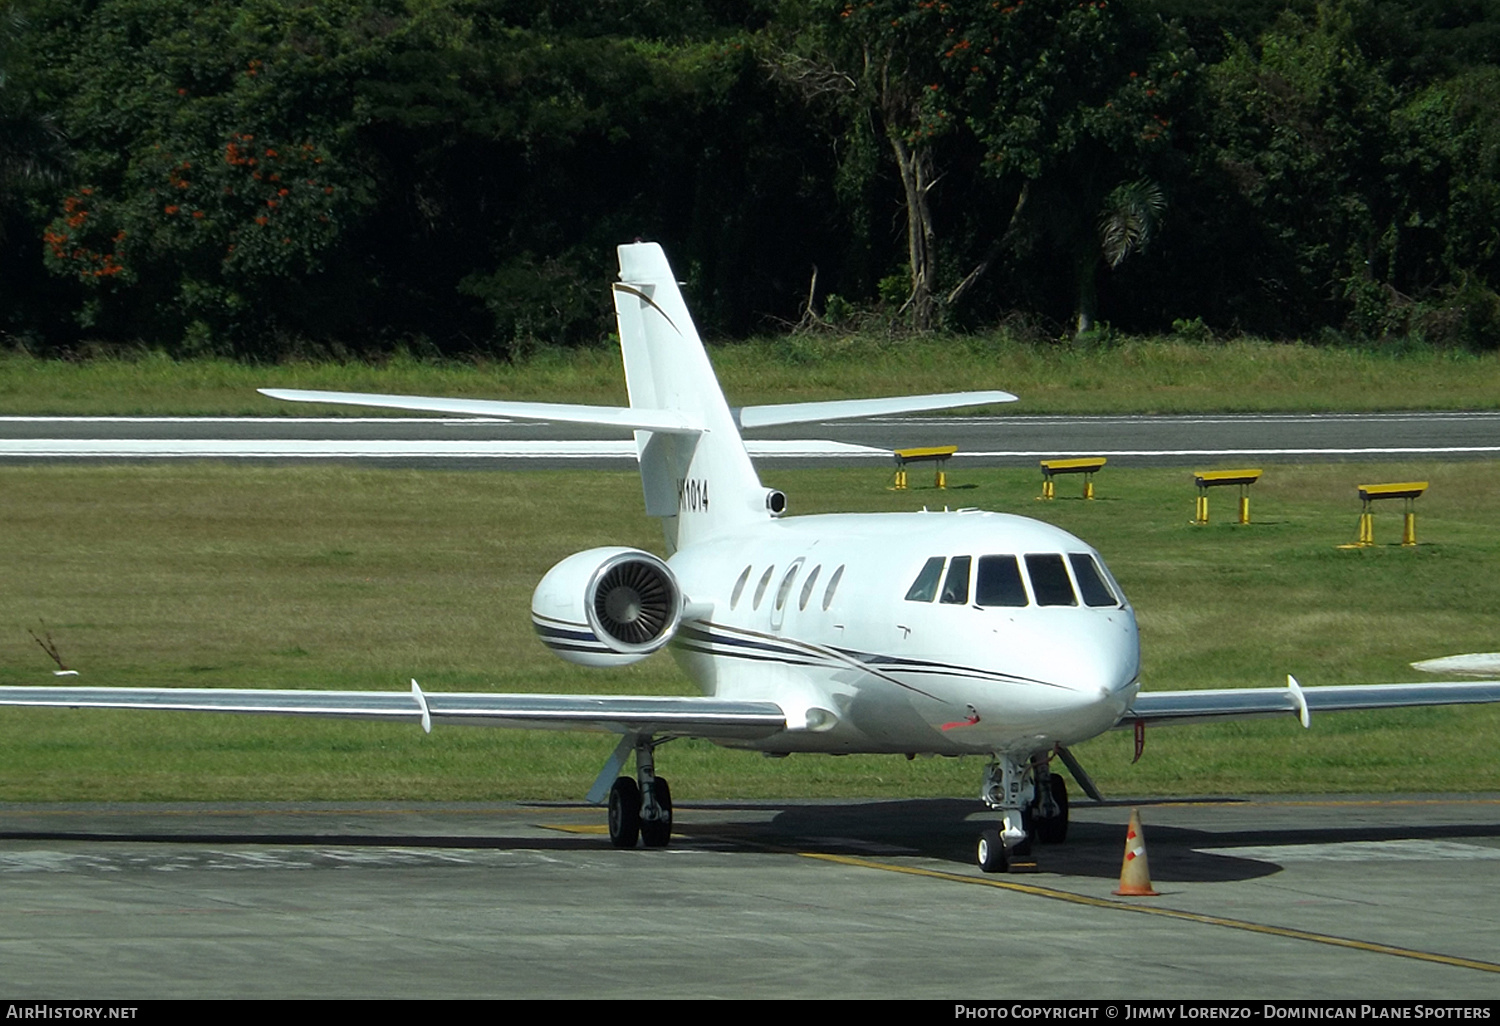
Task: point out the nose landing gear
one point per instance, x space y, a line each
1033 803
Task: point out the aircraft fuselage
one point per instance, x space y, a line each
949 633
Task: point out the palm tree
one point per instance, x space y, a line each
1128 220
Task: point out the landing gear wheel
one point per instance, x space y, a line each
1054 830
655 833
624 813
991 852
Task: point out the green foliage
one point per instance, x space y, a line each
540 302
1078 102
1192 330
1362 197
221 174
272 177
1051 83
837 310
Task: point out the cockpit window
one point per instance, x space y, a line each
956 586
1049 580
999 582
924 588
1094 587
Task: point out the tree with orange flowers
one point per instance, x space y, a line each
220 174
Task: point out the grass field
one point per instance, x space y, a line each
287 576
1129 376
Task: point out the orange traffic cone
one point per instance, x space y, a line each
1135 873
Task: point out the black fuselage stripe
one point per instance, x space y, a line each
880 664
559 647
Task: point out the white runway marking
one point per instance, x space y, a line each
460 421
160 861
251 448
1406 850
297 448
1189 418
1386 450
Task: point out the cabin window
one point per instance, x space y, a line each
739 588
807 589
924 588
1049 580
760 589
1090 582
786 584
956 587
999 582
833 586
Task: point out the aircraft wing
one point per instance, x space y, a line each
1162 707
619 714
849 409
625 418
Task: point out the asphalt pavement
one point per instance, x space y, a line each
1316 899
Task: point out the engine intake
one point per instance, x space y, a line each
607 607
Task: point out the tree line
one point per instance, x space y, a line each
264 178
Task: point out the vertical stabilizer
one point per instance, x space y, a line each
700 485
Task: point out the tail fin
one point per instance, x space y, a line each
700 484
695 470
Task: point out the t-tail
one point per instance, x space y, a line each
695 469
700 482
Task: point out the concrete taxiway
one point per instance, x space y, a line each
1263 898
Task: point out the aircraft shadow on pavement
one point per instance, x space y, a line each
947 830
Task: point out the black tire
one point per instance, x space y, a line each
1055 830
991 853
655 833
624 813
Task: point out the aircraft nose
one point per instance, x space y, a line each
1106 657
1100 660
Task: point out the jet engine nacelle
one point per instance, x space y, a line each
607 607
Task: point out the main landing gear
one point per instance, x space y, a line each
1033 802
641 809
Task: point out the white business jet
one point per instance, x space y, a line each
953 633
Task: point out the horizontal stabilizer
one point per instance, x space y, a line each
1239 703
619 714
850 409
788 448
391 448
623 418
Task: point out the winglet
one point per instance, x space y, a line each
1299 701
416 692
